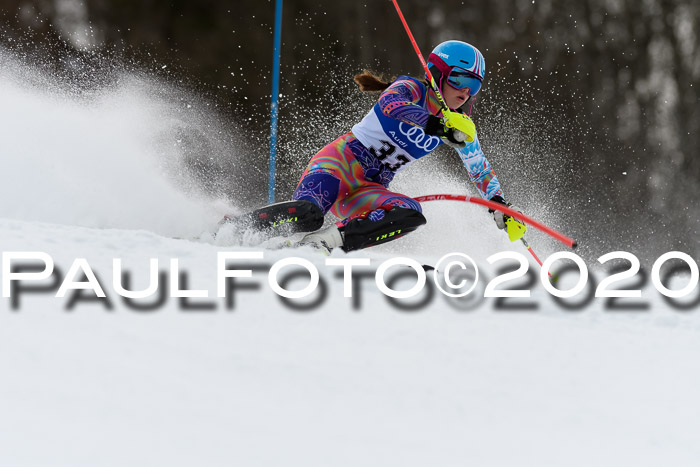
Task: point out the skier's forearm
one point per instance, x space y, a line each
480 171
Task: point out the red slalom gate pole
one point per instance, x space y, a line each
570 242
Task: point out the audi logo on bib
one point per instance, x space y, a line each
417 136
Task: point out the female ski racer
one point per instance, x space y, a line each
350 177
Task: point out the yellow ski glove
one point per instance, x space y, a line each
460 122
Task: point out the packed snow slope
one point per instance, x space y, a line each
262 384
252 381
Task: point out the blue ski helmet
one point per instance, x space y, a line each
459 64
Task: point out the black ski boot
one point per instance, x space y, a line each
279 219
379 226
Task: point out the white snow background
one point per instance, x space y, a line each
262 384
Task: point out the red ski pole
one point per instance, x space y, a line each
529 248
420 57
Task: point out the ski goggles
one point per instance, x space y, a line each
460 78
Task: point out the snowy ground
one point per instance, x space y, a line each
264 385
260 384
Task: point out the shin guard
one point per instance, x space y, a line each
396 222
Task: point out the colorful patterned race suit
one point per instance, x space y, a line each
350 176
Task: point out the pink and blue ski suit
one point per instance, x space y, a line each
350 177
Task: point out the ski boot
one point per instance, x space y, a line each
373 228
275 220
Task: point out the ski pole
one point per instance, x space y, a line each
532 252
433 86
453 119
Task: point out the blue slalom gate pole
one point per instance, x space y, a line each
274 108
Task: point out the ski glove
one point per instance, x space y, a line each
450 136
460 122
516 228
498 216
